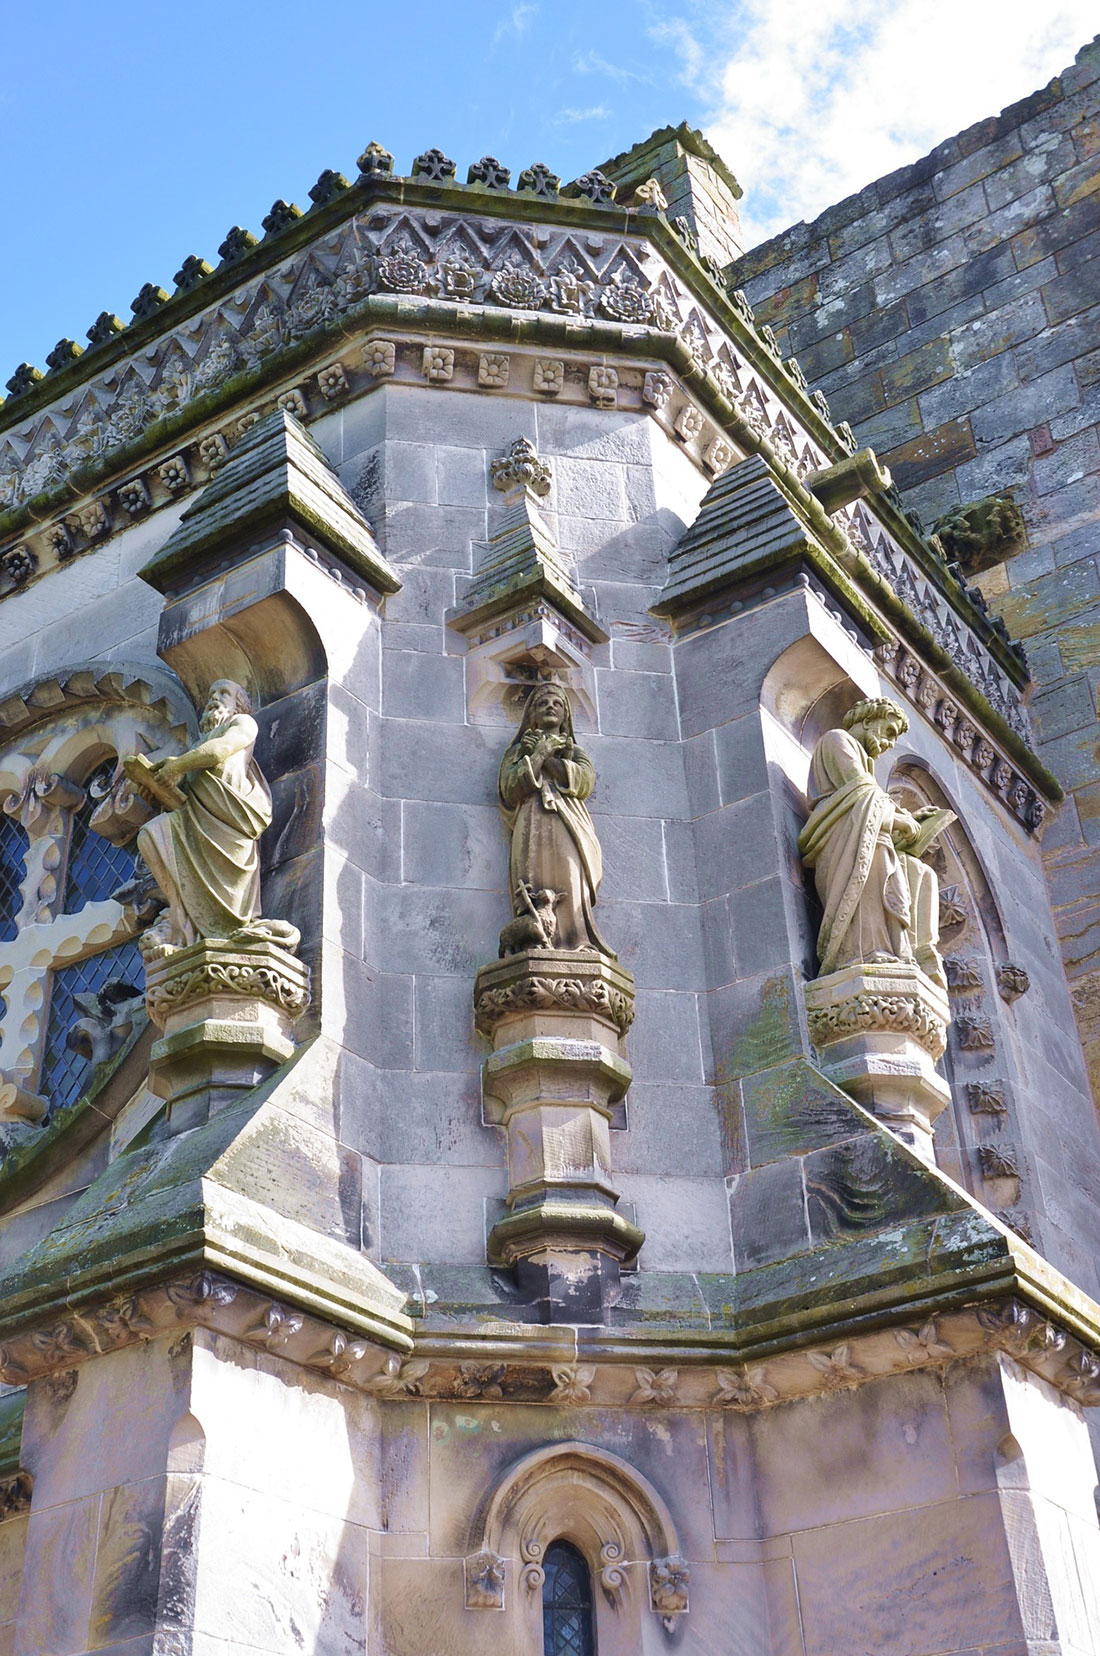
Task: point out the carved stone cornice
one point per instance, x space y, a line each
554 980
254 970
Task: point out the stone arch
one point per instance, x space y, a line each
610 1512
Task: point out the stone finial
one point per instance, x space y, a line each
983 533
328 187
282 215
375 162
105 327
596 187
521 467
650 194
148 301
434 166
64 352
25 377
490 173
191 272
539 180
236 244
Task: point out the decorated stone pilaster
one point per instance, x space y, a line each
556 1006
879 1030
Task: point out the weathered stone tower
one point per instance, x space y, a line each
528 1209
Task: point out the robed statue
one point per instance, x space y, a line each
203 850
881 901
555 866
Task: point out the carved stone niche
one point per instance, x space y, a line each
617 1521
510 652
556 1019
879 1030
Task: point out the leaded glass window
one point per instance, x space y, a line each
64 1072
568 1627
14 842
96 867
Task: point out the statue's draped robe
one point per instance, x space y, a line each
205 856
554 844
865 886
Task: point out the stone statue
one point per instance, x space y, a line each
880 900
203 851
555 863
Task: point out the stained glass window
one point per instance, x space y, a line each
568 1628
13 860
65 1073
96 867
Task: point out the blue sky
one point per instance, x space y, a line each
130 137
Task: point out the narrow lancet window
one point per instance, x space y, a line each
568 1627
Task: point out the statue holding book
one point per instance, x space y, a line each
203 850
881 901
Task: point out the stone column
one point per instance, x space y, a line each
556 1019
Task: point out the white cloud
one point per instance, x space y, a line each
591 63
516 22
813 99
570 117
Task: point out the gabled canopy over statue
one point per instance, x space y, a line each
555 866
203 850
880 900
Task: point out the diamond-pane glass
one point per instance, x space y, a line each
13 862
96 867
567 1625
65 1073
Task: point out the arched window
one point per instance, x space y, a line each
14 842
568 1628
96 868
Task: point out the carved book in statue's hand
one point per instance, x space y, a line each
931 827
158 790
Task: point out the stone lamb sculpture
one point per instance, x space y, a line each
536 923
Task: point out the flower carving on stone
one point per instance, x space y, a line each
1012 1325
1012 982
174 474
521 466
339 1356
439 362
203 1289
332 382
657 388
625 300
458 280
214 451
570 290
133 497
549 376
292 402
277 1326
1081 1376
923 1343
402 273
835 1367
247 421
493 368
19 564
380 357
668 1586
60 541
655 1386
603 385
745 1388
398 1379
518 287
719 456
688 423
479 1380
484 1575
93 519
573 1383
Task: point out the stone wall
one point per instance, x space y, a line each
951 313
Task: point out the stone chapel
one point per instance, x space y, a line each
550 922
